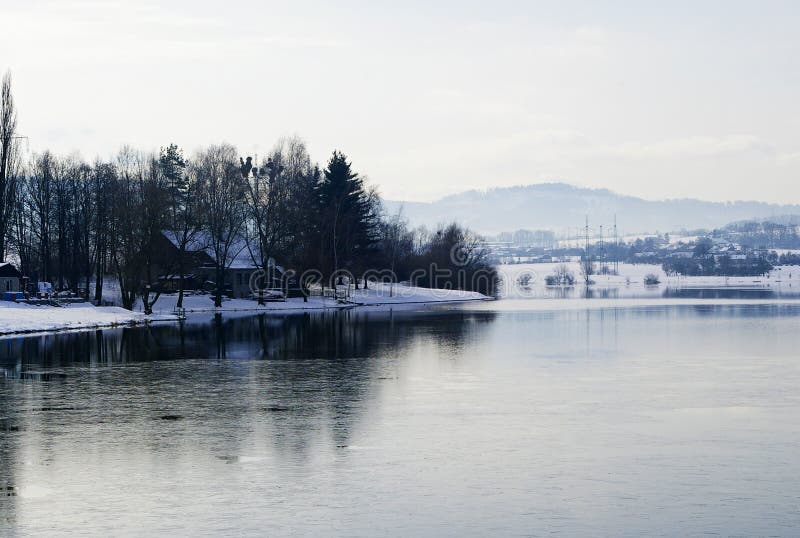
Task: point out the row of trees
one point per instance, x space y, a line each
76 223
764 234
717 265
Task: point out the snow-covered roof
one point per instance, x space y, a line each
8 269
240 254
197 242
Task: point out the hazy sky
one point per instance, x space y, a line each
656 99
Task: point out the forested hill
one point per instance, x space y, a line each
559 206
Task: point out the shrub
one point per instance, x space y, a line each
651 279
561 276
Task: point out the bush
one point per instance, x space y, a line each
651 279
524 280
561 276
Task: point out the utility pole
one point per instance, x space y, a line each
587 267
586 234
602 250
616 246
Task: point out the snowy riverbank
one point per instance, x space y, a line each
629 283
376 295
18 318
782 283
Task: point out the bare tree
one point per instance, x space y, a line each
62 180
264 190
587 269
39 203
155 206
140 205
103 180
221 191
397 245
127 205
279 199
81 223
299 180
8 160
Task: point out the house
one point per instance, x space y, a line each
10 277
199 267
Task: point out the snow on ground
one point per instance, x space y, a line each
388 294
20 318
635 273
166 304
16 318
628 284
376 295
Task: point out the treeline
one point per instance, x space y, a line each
719 266
766 234
786 259
74 223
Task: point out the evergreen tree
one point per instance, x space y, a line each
173 168
348 213
183 223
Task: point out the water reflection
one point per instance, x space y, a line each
725 293
638 291
600 293
303 373
331 335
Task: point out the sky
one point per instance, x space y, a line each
653 99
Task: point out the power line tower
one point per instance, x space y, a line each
586 235
587 262
616 246
602 251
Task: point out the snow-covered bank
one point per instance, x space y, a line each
386 294
19 318
782 280
382 295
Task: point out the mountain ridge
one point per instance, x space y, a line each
561 206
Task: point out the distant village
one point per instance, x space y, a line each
747 248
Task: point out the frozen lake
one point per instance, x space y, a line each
631 417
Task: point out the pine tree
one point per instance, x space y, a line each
349 230
182 221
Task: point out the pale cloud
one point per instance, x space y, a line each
693 146
428 98
113 31
790 158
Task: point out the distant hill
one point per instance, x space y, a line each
558 206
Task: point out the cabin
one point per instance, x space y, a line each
10 277
199 268
199 265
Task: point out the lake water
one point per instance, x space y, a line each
508 418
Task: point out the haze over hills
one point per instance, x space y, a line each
561 207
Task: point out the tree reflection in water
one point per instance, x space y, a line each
299 373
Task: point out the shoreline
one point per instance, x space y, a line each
27 320
137 319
